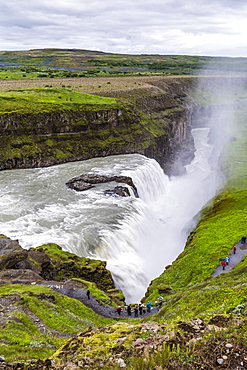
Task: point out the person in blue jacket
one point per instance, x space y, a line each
149 306
227 259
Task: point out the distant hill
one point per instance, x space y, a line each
84 63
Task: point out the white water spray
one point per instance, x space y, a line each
151 237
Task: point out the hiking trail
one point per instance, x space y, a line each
241 251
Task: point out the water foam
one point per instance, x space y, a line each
154 234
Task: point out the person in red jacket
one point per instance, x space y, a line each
119 309
234 249
223 264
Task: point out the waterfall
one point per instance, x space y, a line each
137 237
152 236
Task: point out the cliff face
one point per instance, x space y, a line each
155 121
169 103
173 108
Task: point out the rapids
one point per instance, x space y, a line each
137 237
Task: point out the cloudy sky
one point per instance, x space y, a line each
202 27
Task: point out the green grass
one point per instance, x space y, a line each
21 339
50 100
225 294
56 253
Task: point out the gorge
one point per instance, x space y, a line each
182 141
137 237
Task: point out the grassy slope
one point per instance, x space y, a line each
20 336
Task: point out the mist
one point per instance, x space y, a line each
145 243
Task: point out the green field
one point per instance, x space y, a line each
66 63
50 100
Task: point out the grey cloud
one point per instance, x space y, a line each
150 26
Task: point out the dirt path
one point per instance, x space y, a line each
241 251
79 293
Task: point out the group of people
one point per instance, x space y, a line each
141 309
226 260
137 310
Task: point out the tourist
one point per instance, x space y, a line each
234 249
136 311
140 309
129 310
223 264
160 302
227 259
243 239
144 308
149 306
119 309
88 294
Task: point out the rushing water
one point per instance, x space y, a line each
137 237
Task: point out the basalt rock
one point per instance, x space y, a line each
118 190
16 275
87 181
14 257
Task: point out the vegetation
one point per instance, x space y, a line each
71 63
51 100
88 272
39 325
145 347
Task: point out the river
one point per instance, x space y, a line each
137 237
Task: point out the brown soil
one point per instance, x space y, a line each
85 85
215 354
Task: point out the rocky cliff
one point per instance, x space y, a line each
169 103
154 121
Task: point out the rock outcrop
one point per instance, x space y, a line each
49 262
87 181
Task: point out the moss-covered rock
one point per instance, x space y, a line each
50 262
65 265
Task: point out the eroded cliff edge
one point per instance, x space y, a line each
154 120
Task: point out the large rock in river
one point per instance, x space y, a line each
87 181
